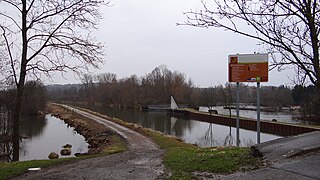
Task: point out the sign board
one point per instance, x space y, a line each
248 68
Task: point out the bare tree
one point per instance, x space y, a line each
289 28
210 98
44 36
34 98
89 87
226 95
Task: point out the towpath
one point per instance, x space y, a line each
143 160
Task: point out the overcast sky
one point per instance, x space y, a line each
142 34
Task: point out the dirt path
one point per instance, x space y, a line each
143 160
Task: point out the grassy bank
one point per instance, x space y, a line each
183 160
12 169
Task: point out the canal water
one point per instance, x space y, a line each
48 134
282 116
189 130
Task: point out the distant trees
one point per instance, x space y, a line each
304 96
107 88
276 97
161 83
88 87
155 87
34 98
210 97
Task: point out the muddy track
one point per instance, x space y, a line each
143 160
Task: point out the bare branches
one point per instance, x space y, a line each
290 28
10 53
57 35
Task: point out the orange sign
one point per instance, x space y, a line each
248 68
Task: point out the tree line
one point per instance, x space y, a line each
157 86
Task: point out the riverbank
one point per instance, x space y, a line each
101 139
144 159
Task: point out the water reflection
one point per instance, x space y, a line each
190 130
228 141
46 135
32 126
206 135
209 137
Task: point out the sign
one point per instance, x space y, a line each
248 68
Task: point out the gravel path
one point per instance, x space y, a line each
143 160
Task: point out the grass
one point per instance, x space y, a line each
12 169
118 145
183 159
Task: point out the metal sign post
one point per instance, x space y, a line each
258 112
238 120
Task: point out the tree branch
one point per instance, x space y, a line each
10 54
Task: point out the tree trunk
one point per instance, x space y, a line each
16 129
316 109
20 84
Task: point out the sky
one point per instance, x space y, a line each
141 35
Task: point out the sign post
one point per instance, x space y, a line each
238 115
258 112
248 68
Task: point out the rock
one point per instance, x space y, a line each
65 152
53 155
67 146
274 120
